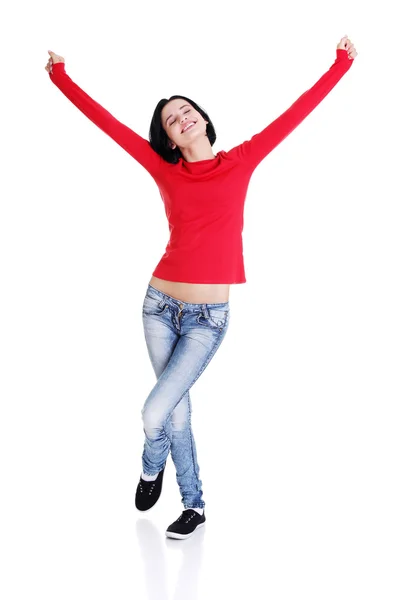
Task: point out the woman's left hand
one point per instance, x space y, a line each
346 44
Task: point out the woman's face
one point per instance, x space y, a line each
175 116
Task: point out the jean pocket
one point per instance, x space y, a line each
218 318
153 306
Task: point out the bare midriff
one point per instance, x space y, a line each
194 293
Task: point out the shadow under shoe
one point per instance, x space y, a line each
148 492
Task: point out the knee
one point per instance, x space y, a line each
181 415
178 425
152 420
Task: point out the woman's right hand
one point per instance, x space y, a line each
54 58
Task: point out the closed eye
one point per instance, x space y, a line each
186 111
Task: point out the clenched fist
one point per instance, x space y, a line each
346 44
54 58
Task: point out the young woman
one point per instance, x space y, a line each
186 306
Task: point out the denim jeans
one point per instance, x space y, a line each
181 340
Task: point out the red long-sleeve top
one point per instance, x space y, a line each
204 200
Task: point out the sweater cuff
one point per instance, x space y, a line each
58 68
342 54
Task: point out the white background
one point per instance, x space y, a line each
296 418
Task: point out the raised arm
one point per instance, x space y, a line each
252 152
130 141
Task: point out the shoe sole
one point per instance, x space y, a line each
147 509
182 536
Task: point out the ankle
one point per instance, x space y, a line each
149 477
199 510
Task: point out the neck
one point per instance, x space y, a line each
200 150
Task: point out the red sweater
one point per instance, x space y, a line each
204 200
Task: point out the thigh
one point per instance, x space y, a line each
196 346
160 336
161 339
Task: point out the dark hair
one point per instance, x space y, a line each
159 139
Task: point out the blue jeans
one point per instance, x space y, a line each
181 340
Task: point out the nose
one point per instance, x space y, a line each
183 122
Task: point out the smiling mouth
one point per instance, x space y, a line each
189 127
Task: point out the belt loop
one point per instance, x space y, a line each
205 311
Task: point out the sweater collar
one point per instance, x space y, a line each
200 166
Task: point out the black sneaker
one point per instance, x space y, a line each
148 492
186 524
